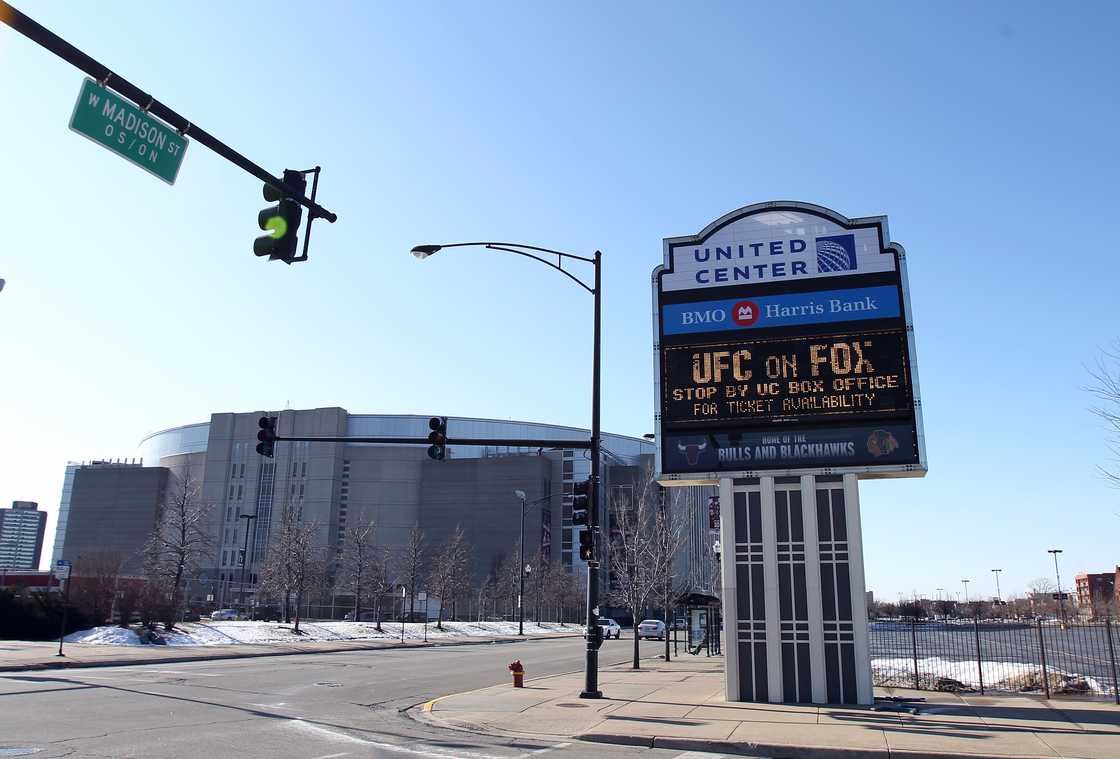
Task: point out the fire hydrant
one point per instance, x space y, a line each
518 674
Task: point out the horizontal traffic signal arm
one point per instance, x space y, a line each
516 443
47 39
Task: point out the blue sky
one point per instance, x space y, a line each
986 132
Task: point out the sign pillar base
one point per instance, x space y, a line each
793 590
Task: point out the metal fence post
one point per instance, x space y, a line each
979 663
1042 653
914 650
1112 658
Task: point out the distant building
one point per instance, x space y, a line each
1097 593
21 535
108 509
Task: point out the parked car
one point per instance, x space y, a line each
223 615
190 616
680 623
610 628
266 614
651 628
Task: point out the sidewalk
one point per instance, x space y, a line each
19 656
681 706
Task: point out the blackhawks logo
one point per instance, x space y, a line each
881 443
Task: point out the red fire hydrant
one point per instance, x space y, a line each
518 674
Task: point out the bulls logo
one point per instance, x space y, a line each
692 451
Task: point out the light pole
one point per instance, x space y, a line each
593 634
966 582
245 556
1058 577
524 567
999 598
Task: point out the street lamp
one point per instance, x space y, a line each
245 558
996 572
524 567
1058 577
420 252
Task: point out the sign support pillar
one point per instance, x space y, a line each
793 590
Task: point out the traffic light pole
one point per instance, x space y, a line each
594 633
45 38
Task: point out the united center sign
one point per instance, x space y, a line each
785 343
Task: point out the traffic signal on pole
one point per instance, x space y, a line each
581 503
281 221
586 545
266 435
437 437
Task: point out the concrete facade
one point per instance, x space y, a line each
112 510
21 535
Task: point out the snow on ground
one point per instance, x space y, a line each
226 633
105 636
998 675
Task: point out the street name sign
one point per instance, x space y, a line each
785 343
112 122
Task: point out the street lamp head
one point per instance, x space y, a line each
520 494
423 251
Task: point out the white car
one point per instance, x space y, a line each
223 615
651 628
610 628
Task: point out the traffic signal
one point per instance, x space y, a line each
437 437
586 545
266 435
281 221
581 503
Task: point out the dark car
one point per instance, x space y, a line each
266 614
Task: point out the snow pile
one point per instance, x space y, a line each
226 633
105 636
935 673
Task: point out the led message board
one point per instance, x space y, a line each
785 342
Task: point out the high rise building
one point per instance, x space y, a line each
21 535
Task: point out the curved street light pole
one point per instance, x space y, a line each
591 666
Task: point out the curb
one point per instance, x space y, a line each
785 751
181 659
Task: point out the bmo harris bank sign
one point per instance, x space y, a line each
785 344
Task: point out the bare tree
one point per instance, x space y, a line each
509 578
413 565
635 571
294 564
450 568
668 539
1106 389
356 564
180 542
94 584
1041 591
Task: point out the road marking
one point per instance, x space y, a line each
415 749
698 755
333 756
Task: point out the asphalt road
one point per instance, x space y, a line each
315 706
